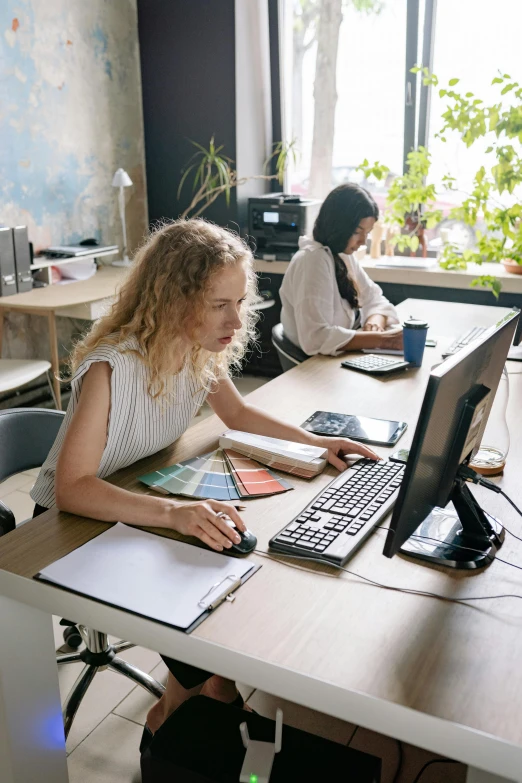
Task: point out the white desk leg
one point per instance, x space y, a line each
479 776
32 742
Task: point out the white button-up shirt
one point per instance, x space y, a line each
315 316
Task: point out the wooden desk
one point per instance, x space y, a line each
442 676
71 300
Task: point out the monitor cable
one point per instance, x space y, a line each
393 588
471 475
466 473
429 763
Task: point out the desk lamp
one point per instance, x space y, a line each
122 180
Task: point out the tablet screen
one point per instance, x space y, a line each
354 427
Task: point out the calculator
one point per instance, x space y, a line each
376 365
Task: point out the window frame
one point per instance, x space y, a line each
415 125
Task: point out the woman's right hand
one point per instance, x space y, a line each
206 520
392 340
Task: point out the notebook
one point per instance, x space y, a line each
169 581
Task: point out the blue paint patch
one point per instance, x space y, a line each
100 40
101 46
35 173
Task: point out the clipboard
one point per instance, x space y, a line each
165 580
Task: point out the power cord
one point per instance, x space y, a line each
399 764
410 590
465 472
471 475
399 749
459 546
429 763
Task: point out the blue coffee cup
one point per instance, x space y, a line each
414 333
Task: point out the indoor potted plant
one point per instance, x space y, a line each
493 207
213 174
410 201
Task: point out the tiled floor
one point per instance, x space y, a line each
103 742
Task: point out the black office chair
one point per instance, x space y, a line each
290 355
26 436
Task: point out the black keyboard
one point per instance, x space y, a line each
463 340
344 514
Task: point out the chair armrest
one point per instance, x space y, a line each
7 519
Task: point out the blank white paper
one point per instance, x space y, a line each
145 573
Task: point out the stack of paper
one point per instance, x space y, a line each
296 458
220 475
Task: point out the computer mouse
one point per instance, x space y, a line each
248 540
247 544
89 242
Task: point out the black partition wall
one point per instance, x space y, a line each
187 52
211 68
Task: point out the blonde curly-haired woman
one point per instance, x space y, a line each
180 323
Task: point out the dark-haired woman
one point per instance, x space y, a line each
330 304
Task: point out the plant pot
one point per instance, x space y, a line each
512 266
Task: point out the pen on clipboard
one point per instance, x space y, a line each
222 591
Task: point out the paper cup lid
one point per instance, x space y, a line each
415 323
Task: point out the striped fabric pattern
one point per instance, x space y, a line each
138 424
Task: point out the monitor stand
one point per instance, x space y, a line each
444 536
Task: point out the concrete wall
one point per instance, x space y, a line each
70 115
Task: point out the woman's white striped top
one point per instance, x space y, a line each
138 424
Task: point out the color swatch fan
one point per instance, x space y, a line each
213 476
252 479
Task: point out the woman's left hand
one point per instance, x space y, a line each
339 447
375 323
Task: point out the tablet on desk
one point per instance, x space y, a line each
379 432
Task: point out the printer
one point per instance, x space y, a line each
277 220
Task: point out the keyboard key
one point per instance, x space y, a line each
305 545
285 539
328 505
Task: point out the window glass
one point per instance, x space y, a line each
473 41
367 103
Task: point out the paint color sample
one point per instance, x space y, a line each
218 475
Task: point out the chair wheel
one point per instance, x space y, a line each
72 637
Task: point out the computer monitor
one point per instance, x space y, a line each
452 420
518 331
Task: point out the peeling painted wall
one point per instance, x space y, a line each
70 115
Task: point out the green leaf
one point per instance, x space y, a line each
488 281
453 82
497 80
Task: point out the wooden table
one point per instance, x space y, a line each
442 676
75 300
86 299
